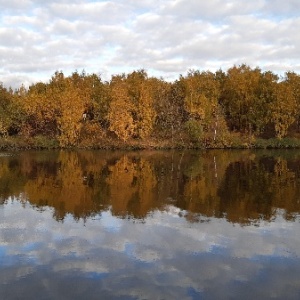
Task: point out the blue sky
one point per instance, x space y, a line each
165 37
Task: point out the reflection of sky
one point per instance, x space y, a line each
165 257
109 223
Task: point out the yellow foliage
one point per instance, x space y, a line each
201 96
283 110
91 132
146 112
72 107
120 117
54 111
3 129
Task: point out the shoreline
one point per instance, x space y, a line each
19 144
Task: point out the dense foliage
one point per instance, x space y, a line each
202 109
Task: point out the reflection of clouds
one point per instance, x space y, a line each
16 271
89 266
109 223
164 257
146 255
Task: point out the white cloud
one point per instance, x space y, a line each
164 37
281 9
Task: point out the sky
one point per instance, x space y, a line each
165 37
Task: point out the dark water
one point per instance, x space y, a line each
150 225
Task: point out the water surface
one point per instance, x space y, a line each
150 225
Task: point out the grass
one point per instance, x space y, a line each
233 141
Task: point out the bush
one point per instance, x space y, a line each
236 141
12 143
43 142
91 135
194 130
275 143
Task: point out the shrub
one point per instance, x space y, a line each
194 130
275 143
44 142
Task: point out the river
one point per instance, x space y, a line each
150 225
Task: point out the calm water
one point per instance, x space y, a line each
150 225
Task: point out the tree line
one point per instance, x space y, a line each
200 109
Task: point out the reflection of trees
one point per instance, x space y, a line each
66 186
202 177
286 191
132 184
243 194
11 178
253 190
239 185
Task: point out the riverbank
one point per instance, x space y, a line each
16 143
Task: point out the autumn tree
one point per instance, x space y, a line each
283 110
120 117
55 109
5 118
293 81
141 97
41 111
99 99
266 95
201 101
163 107
172 115
94 93
240 99
70 117
132 112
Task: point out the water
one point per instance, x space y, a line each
150 225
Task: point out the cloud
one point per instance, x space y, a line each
14 5
214 10
165 37
279 9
